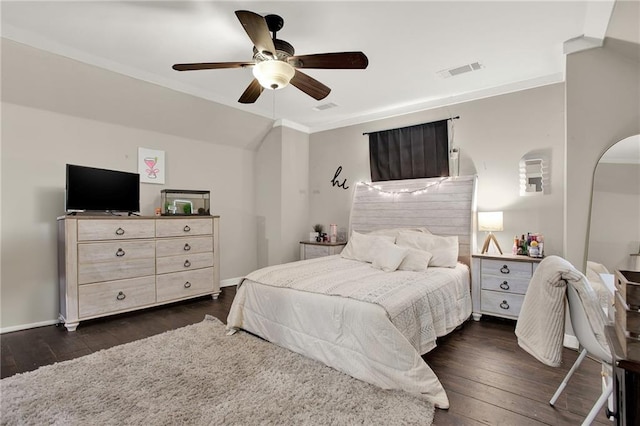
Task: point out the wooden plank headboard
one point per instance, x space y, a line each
445 206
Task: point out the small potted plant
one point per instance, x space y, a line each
317 228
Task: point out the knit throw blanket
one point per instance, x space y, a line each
540 326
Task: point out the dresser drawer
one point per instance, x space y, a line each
176 246
501 304
506 268
110 297
109 271
183 262
184 227
179 285
115 229
115 251
506 284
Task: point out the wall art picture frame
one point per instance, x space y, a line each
151 165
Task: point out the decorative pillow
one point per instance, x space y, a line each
393 232
360 245
388 256
416 260
444 250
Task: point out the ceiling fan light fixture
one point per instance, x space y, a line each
273 74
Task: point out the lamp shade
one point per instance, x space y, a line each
273 74
490 221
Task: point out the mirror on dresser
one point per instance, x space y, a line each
614 233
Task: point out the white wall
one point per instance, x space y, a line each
282 207
295 192
603 107
492 134
57 111
615 215
37 144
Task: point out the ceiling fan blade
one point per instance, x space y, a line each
310 85
211 66
258 31
340 60
251 93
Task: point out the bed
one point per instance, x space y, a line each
364 312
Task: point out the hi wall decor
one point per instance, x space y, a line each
151 165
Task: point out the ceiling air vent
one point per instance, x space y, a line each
322 107
452 72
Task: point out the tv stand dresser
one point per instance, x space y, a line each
109 265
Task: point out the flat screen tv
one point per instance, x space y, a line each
100 190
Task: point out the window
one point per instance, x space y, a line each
413 152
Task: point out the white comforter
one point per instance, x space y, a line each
370 324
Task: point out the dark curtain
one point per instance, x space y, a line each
412 152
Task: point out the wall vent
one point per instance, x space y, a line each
452 72
325 106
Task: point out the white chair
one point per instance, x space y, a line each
589 344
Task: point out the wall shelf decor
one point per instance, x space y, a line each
532 176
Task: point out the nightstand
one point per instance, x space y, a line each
499 283
311 249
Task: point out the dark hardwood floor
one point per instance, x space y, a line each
488 378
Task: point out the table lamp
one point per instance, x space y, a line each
490 222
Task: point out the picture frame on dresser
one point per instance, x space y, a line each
499 283
110 265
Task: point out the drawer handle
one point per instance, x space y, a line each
121 296
504 305
119 231
187 284
120 252
505 269
504 285
187 247
186 228
187 263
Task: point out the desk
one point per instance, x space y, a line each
626 383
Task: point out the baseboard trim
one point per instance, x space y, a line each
224 283
231 282
570 342
21 327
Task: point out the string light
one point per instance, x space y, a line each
416 191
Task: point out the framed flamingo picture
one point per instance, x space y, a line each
151 165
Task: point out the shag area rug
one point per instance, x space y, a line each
197 375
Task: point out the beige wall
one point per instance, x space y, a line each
492 134
52 117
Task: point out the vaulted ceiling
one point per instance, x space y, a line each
410 47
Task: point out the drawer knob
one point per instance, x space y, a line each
120 252
187 284
504 269
504 285
121 296
504 305
187 263
119 231
186 228
187 247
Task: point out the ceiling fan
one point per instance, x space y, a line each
274 63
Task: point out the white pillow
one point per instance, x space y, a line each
444 250
359 246
415 260
388 256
